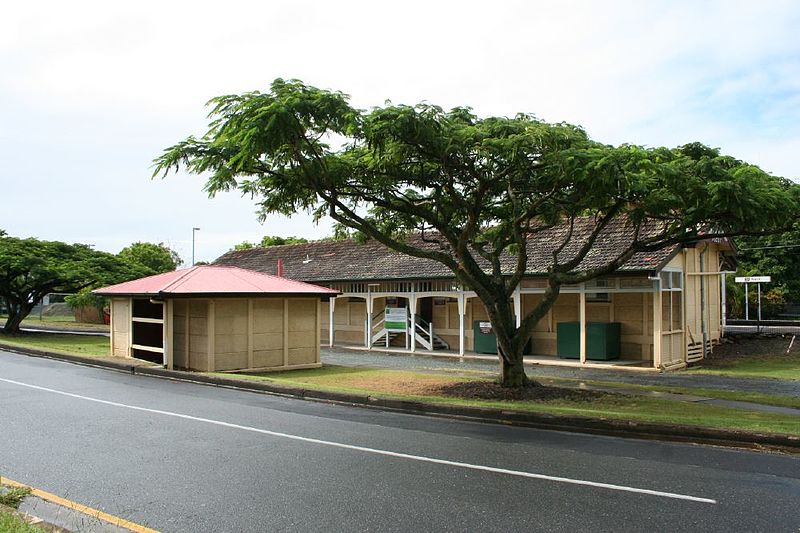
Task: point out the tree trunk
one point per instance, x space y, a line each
513 372
510 348
12 324
16 314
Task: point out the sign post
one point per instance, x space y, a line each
758 280
396 319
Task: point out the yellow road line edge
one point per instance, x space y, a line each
117 521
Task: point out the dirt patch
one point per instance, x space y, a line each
736 347
490 390
416 386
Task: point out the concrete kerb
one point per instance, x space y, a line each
56 514
576 424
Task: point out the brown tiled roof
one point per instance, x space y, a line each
348 260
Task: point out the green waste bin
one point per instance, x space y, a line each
568 340
484 338
602 340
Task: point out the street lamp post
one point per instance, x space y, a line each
193 232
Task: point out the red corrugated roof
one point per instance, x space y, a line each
211 280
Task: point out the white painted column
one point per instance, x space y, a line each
462 309
331 307
583 324
518 306
369 321
724 299
412 308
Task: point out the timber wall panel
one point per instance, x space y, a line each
566 309
267 332
598 311
121 313
439 315
180 308
198 334
230 334
302 331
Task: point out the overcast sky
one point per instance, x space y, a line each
91 92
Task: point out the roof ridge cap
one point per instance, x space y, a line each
183 276
234 272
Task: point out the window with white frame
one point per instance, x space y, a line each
671 301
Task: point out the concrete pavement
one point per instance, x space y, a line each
183 457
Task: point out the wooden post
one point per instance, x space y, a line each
285 332
657 323
250 357
187 334
331 308
169 334
369 319
412 308
518 306
684 344
318 328
462 305
111 325
130 328
211 336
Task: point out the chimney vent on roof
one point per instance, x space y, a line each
307 260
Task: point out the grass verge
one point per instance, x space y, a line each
57 322
392 384
12 497
773 366
11 523
65 343
739 396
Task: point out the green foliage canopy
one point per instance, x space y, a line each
31 268
158 258
270 240
475 188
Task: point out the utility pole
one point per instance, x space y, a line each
193 232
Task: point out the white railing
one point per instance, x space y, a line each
422 331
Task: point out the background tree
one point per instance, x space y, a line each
30 269
274 240
270 240
773 255
157 258
468 192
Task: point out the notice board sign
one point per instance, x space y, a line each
753 279
395 319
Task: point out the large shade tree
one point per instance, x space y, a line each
31 268
476 189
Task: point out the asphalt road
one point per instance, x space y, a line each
184 457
